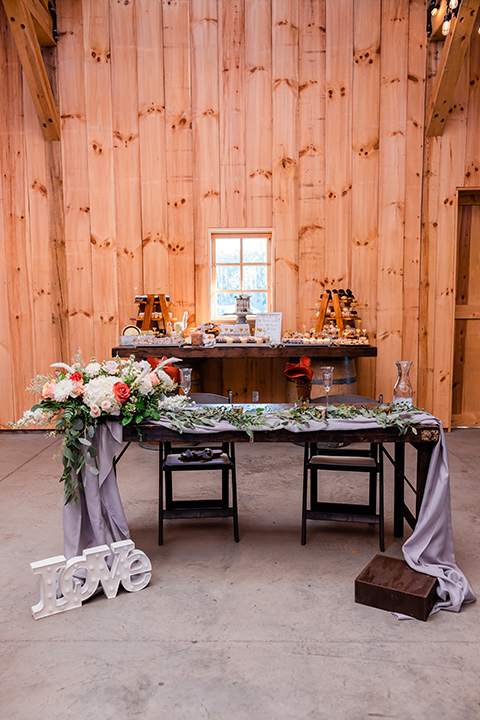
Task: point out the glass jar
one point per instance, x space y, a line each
403 390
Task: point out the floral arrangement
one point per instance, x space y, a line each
81 396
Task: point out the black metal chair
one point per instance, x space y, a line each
222 461
324 457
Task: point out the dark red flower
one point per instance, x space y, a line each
76 377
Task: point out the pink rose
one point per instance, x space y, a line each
121 391
48 390
95 411
153 377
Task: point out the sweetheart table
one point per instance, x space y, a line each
99 517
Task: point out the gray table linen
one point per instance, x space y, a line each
99 517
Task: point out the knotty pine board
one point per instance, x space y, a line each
311 159
206 143
364 195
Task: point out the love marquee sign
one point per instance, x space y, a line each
77 579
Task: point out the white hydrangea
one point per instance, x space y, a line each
93 369
64 389
100 390
145 386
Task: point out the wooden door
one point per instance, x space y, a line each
466 366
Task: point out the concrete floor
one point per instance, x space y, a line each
264 629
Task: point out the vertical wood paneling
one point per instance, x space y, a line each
338 141
10 404
417 58
45 333
126 155
366 113
17 258
224 113
393 102
258 112
76 193
472 173
231 14
179 155
206 142
311 159
151 112
285 157
100 174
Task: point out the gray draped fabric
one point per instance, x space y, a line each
98 518
430 549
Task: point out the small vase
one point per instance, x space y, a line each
303 392
403 391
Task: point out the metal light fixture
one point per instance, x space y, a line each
451 11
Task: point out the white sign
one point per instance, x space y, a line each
269 324
130 567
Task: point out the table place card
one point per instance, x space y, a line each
269 324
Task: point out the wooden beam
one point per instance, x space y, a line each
441 99
28 48
42 21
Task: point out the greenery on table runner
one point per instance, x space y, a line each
181 416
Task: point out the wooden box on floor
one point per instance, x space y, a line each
390 584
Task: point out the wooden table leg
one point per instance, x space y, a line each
399 486
424 454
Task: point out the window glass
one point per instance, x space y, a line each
225 304
228 276
227 250
241 264
258 302
254 250
254 277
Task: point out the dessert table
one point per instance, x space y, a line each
429 549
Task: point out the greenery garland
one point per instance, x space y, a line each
182 416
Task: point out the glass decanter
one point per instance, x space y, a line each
403 390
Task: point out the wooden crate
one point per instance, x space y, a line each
390 584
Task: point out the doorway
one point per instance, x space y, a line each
466 364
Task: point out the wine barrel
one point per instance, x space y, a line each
344 378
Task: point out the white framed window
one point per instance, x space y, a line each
241 263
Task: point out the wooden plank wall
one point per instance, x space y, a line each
303 116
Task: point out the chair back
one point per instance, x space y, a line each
208 398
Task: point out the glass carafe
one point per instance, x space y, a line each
403 391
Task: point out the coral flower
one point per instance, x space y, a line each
121 391
48 390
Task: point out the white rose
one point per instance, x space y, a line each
110 366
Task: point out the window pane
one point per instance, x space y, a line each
227 250
254 277
255 250
258 303
225 304
228 277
